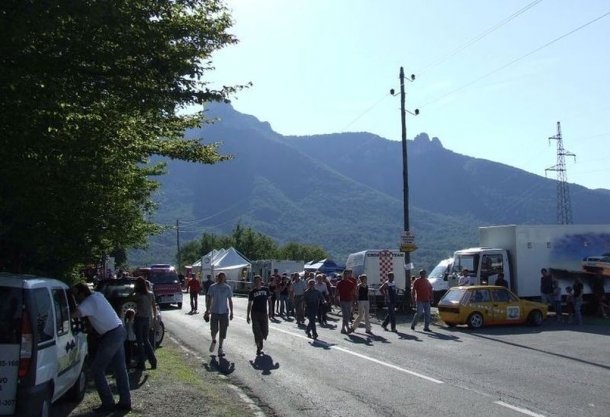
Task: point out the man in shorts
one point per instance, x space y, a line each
219 304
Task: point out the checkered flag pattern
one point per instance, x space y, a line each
386 263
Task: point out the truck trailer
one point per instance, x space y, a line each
376 264
521 251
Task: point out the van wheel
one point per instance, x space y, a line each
77 391
159 333
535 318
475 321
45 406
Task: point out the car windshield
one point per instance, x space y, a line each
113 289
453 296
163 277
438 271
10 315
467 261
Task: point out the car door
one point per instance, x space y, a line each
10 340
66 345
505 306
480 300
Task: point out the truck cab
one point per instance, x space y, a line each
483 265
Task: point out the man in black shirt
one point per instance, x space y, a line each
258 298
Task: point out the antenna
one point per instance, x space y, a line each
564 207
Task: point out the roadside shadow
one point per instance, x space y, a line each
408 336
378 338
265 364
321 344
354 338
443 336
220 365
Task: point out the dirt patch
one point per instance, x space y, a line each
182 385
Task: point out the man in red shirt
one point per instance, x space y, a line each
346 293
193 286
421 291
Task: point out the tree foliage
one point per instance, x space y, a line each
252 244
89 91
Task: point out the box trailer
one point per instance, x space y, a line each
376 264
521 251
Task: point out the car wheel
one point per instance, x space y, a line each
45 406
535 318
126 306
180 305
77 392
159 333
475 321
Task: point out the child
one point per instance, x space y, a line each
570 304
130 342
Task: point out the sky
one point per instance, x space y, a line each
492 77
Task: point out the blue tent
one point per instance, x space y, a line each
326 266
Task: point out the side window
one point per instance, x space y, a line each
43 320
62 312
502 296
480 296
10 315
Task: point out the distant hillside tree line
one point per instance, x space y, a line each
250 243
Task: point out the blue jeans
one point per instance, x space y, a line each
111 352
283 304
422 308
141 327
390 317
346 313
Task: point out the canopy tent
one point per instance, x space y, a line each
326 266
235 266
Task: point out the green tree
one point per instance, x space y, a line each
298 251
89 91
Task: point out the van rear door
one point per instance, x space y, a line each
10 343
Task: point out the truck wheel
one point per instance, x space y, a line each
535 318
77 392
475 321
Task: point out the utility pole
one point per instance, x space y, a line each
178 244
564 206
407 239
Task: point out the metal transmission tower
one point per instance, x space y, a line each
564 206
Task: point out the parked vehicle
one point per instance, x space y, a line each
42 349
597 264
520 251
438 278
479 306
166 283
376 264
120 294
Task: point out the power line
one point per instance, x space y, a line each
366 111
480 36
516 60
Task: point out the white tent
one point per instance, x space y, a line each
235 266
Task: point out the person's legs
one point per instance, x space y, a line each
426 307
108 346
257 328
360 315
419 310
145 350
392 315
346 309
120 371
298 305
367 318
312 323
577 312
223 321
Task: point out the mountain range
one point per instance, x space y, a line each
345 192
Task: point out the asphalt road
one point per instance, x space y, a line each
552 370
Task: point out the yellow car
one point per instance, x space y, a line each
481 305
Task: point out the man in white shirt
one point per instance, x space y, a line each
219 303
110 346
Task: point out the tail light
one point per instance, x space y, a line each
27 345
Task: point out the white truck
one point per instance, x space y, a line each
376 264
521 251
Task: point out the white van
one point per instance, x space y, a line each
42 350
438 278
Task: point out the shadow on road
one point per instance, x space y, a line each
265 364
220 365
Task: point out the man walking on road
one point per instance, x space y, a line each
389 289
220 304
298 289
193 286
422 294
346 289
258 298
313 300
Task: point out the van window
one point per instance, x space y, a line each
10 315
62 312
44 315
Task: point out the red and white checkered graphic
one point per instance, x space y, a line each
386 263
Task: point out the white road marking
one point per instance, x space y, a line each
377 361
519 409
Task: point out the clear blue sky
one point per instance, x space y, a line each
486 84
